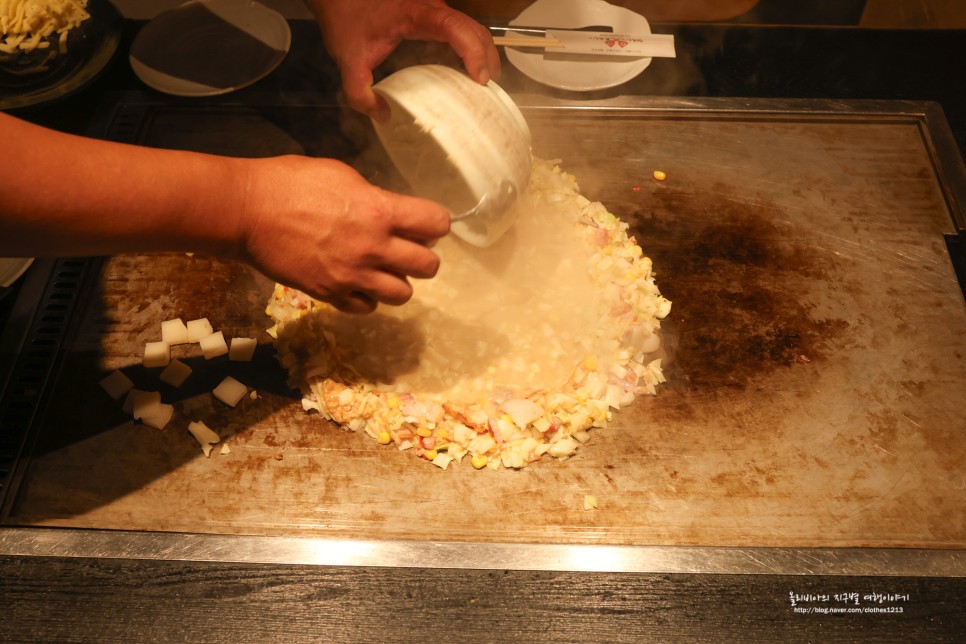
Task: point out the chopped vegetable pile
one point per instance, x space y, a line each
499 386
147 406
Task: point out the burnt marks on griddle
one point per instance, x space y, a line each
741 279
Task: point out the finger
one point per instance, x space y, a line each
357 85
418 219
376 287
357 303
493 61
389 288
410 258
468 38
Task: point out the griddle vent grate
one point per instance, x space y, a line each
39 356
127 122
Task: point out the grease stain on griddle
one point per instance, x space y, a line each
738 278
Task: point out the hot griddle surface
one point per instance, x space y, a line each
815 357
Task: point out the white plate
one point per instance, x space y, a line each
11 268
210 47
572 74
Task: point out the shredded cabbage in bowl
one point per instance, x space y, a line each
29 25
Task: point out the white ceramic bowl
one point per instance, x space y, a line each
454 141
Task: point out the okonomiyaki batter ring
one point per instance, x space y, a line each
512 351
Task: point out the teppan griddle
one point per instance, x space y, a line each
811 422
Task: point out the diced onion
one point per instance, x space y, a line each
205 436
174 332
213 345
175 373
116 385
198 329
156 354
230 391
147 407
242 349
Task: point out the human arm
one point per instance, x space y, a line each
360 34
314 224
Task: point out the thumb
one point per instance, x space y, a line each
357 86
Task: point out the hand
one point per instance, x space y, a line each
317 225
314 224
360 34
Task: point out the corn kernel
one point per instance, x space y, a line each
425 433
430 454
384 438
442 434
660 175
393 402
479 461
590 363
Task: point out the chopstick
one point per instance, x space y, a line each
524 30
526 41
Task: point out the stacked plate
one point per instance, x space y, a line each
11 268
